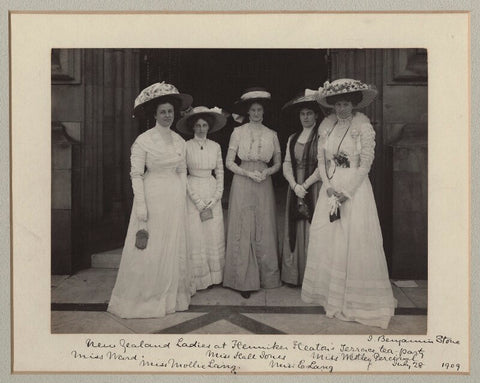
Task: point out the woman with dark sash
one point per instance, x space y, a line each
300 170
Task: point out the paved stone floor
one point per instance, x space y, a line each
79 305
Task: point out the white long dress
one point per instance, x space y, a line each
346 270
206 240
157 280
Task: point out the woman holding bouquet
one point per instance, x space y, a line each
346 270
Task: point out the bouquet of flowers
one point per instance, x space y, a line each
341 160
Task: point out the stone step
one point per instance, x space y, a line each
107 260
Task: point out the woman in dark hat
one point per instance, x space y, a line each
251 260
205 229
346 270
301 171
154 278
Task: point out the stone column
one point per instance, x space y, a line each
111 85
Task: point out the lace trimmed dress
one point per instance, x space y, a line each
346 269
251 260
206 240
155 281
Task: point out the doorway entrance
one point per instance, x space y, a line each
216 77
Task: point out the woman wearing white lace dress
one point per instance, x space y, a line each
346 269
205 229
154 275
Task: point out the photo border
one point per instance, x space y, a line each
228 12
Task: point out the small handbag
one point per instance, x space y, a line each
335 216
141 239
302 211
206 214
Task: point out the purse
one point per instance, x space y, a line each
206 214
141 239
302 211
335 216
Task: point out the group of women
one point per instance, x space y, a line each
332 243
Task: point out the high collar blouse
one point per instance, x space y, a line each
151 149
253 143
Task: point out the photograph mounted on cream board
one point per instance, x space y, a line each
306 234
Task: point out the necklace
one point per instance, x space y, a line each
201 143
255 135
338 148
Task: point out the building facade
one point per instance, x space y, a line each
92 130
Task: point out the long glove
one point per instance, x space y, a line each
182 168
232 166
197 201
137 161
287 167
219 176
321 162
277 158
367 154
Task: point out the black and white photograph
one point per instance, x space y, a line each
239 191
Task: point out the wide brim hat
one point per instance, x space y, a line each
345 86
306 99
155 93
219 119
248 97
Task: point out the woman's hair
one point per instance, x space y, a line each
355 98
193 120
248 104
313 106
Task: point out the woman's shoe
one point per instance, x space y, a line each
245 294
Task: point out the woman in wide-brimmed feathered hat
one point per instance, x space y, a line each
251 260
154 278
346 270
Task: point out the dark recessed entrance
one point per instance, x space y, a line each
216 77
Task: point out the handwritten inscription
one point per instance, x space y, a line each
373 353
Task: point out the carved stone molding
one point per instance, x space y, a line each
409 66
66 66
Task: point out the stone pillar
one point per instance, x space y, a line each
64 177
410 201
111 85
405 116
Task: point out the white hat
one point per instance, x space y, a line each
219 119
152 94
345 86
250 96
307 98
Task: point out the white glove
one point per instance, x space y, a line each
200 204
210 202
141 211
300 191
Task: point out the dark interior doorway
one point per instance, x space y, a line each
216 77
